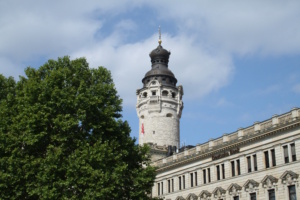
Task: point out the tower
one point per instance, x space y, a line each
159 106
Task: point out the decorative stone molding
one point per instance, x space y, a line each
179 198
234 189
275 120
295 113
240 133
191 196
251 186
225 137
289 178
219 193
256 127
205 195
269 182
211 144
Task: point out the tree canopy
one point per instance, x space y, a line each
61 137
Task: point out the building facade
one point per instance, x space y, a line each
261 161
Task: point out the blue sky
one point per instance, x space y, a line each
238 61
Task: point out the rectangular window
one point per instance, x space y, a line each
179 180
286 154
267 159
204 176
249 163
238 167
162 188
172 185
255 162
273 157
192 180
196 179
169 186
252 196
218 172
232 168
223 171
183 182
271 194
208 171
292 192
236 198
158 189
293 152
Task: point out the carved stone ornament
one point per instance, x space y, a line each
179 198
234 189
205 195
269 182
191 196
251 186
289 178
219 193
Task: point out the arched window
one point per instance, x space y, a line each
164 93
169 115
145 94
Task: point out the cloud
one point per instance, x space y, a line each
242 27
199 71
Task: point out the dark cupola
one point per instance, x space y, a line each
160 59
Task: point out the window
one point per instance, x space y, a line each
192 180
169 186
145 94
208 171
162 188
271 194
164 93
238 167
158 188
153 93
267 159
249 163
273 157
204 176
218 172
179 180
196 177
255 162
293 152
183 181
223 171
173 94
289 152
236 198
252 196
169 115
292 192
232 168
172 181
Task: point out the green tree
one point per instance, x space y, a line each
61 137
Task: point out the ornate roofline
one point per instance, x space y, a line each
235 140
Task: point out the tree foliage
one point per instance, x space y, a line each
61 137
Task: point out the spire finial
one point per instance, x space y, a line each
159 36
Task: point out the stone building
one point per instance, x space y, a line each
261 161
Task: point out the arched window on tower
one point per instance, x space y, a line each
169 115
164 93
145 94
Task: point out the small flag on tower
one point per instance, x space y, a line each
143 129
